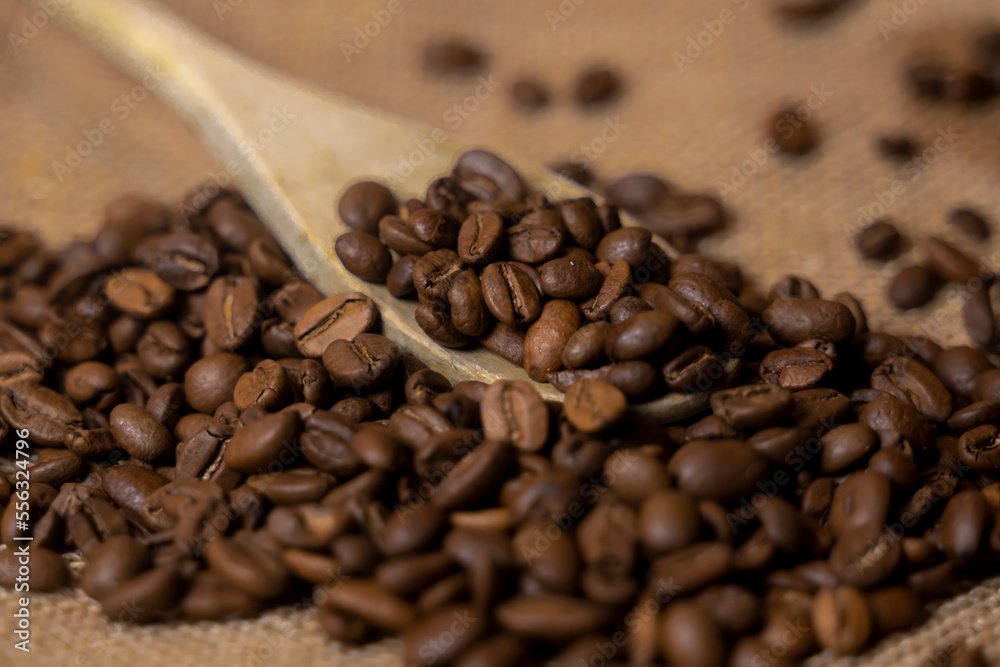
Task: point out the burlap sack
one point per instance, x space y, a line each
703 78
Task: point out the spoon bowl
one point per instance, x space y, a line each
293 148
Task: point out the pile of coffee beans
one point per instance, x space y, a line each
215 437
561 288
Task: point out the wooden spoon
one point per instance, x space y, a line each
293 148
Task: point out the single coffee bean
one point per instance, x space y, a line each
668 521
529 94
582 222
480 238
638 192
266 385
47 415
506 341
970 222
422 639
948 261
21 366
211 381
342 316
585 347
845 446
434 272
792 321
512 411
795 368
363 204
593 406
139 433
487 177
963 526
452 56
364 256
913 287
980 322
294 299
980 448
641 335
614 287
366 361
722 470
690 215
399 280
248 565
879 240
596 85
552 618
690 637
510 294
696 566
909 380
139 293
546 337
182 260
435 321
395 233
752 406
468 306
538 237
794 133
114 562
636 379
230 311
48 571
841 619
573 279
860 504
263 441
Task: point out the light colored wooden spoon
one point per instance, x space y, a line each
293 148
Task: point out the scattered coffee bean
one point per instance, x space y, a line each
879 240
793 132
913 286
596 85
529 94
453 56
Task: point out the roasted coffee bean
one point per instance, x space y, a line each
294 299
529 94
980 448
792 321
183 260
21 366
436 229
980 322
795 368
211 381
948 261
363 255
861 504
841 619
399 280
752 406
47 415
487 177
596 85
573 279
585 347
510 294
636 379
233 223
89 383
845 446
139 433
342 316
266 385
506 341
434 272
551 618
879 240
363 204
480 238
913 287
970 222
627 306
695 566
593 406
963 526
468 306
690 637
911 381
973 415
537 238
546 337
395 233
48 571
139 293
793 132
630 244
111 564
690 215
641 335
248 565
452 56
512 411
581 220
722 470
668 521
638 192
435 321
263 441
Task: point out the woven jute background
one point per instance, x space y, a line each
703 78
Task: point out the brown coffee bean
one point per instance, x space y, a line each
114 562
48 416
538 237
909 380
248 565
480 238
294 299
567 278
546 337
913 287
469 314
689 637
529 94
638 192
364 203
879 240
722 470
695 566
230 311
262 442
841 619
266 385
211 381
510 294
552 618
792 321
363 255
395 233
487 177
641 335
342 316
752 406
47 573
399 280
970 222
860 504
793 132
593 406
668 521
596 85
183 260
948 261
139 293
452 56
512 411
795 368
585 347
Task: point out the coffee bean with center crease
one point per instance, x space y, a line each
436 229
636 379
47 415
909 380
512 411
395 233
266 385
795 368
752 406
841 619
364 256
980 448
689 636
341 316
487 177
581 220
593 406
20 366
183 260
139 433
139 293
614 287
480 238
364 203
538 237
510 294
860 504
366 361
546 337
433 274
436 321
468 307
